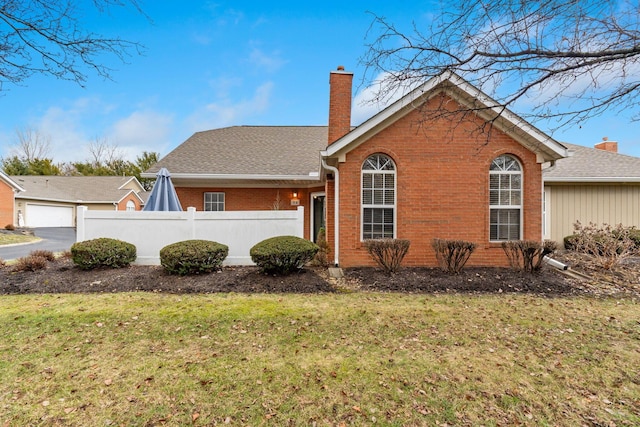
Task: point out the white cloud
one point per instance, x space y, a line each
141 131
224 112
269 62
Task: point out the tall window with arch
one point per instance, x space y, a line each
505 199
378 197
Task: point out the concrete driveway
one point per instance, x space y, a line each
55 239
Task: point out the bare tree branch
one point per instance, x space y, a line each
47 37
584 54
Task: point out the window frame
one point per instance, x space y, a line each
130 206
214 203
500 207
393 207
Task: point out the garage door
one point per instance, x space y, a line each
49 216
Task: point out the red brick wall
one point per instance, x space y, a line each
442 189
250 199
6 205
122 206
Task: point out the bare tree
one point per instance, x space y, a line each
103 153
48 37
31 145
565 60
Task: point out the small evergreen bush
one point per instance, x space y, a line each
570 242
283 254
30 263
322 256
193 257
452 255
387 253
102 252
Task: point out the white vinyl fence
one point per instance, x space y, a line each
151 231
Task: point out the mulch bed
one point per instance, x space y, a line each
63 277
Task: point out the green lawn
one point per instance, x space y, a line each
148 359
9 239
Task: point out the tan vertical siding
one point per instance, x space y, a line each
610 204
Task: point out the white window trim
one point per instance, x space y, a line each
130 204
520 206
204 200
395 195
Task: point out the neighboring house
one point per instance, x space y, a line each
51 201
8 190
591 185
394 176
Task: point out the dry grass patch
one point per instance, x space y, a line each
155 359
11 239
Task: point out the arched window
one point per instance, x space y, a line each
131 206
378 197
505 198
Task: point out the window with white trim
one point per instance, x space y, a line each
131 206
378 197
214 202
505 198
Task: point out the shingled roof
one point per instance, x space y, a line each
75 189
593 165
277 152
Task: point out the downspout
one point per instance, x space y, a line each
336 210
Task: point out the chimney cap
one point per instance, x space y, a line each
605 138
340 67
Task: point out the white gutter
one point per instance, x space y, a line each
312 176
336 211
592 179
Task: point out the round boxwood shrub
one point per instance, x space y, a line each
193 257
283 254
102 252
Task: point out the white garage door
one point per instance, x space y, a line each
49 216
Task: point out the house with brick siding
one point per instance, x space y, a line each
456 175
8 190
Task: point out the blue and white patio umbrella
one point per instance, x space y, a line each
163 195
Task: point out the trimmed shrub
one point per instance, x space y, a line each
30 263
452 255
193 257
102 252
283 254
527 255
48 255
10 227
3 263
387 253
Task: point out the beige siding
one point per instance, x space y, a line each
610 204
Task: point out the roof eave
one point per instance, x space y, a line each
313 176
594 179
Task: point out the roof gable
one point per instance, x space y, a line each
10 182
467 95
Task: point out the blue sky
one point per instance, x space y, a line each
215 64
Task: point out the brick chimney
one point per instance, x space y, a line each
339 103
607 145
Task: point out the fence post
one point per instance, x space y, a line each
191 218
300 222
80 226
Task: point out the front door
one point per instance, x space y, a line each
318 217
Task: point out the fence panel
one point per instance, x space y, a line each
151 231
